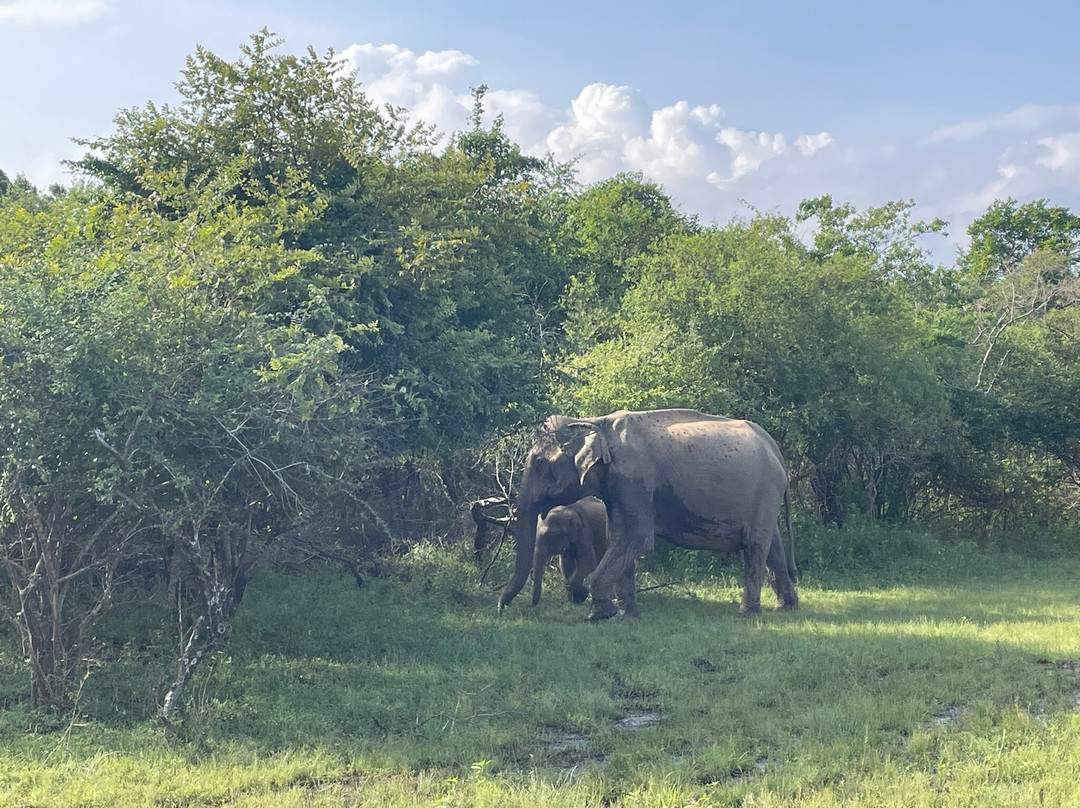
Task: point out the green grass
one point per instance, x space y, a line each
946 678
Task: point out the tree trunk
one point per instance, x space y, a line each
219 569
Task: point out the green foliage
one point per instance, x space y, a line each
882 235
742 320
1009 232
611 226
1023 326
279 315
428 267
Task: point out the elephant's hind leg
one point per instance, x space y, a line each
786 596
756 552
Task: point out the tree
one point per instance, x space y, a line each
64 534
437 270
826 354
1009 232
1023 358
295 313
610 227
885 236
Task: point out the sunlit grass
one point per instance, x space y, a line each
919 687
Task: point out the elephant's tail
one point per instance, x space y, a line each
793 571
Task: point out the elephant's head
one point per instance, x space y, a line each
567 461
551 540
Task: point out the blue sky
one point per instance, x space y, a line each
726 104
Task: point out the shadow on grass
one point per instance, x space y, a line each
421 674
396 675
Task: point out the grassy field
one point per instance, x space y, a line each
945 677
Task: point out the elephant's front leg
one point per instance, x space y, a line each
626 592
601 589
574 573
630 531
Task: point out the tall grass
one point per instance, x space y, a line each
929 674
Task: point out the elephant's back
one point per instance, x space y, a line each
723 453
593 509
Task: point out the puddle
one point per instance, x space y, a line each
573 752
1073 667
637 719
562 743
948 716
764 765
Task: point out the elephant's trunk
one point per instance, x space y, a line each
523 526
540 562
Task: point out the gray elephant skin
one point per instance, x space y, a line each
577 534
703 482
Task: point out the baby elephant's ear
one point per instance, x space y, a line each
593 451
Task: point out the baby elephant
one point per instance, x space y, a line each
577 533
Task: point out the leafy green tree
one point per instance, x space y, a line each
1009 232
62 539
433 266
883 235
438 270
156 407
609 227
280 308
743 321
1023 355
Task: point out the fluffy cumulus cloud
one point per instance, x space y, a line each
53 12
690 149
710 164
433 86
704 161
808 144
1062 155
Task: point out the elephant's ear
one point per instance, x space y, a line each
593 451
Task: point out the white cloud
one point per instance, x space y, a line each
677 145
609 129
1063 154
53 12
1028 118
601 120
433 86
699 157
808 144
1046 166
748 151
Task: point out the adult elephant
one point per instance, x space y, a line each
577 534
700 481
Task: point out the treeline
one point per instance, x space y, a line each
278 318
